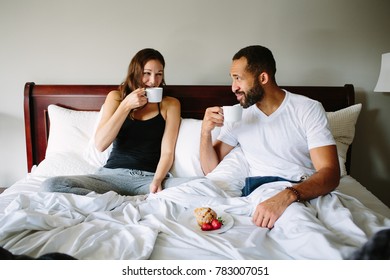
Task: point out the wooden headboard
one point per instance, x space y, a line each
194 101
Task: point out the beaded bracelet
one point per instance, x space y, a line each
297 194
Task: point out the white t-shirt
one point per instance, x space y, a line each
279 144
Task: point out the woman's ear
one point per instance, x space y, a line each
263 78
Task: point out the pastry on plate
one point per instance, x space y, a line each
205 215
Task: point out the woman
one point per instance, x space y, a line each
143 135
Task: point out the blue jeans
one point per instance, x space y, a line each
123 181
252 183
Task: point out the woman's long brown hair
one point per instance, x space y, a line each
135 71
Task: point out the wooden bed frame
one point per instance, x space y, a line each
194 100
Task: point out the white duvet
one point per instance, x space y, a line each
110 226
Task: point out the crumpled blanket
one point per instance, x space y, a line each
110 226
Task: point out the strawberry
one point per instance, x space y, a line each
217 223
206 227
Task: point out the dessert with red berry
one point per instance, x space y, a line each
207 219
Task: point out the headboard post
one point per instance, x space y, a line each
29 124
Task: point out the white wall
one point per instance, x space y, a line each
91 42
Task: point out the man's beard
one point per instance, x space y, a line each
254 95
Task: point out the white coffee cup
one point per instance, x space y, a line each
154 94
232 113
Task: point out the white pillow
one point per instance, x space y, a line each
63 164
91 154
342 124
187 159
70 130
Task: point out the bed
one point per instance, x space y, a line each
59 123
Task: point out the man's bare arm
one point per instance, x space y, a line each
211 153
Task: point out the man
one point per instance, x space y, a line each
282 135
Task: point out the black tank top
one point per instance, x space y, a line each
138 144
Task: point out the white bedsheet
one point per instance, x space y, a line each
110 226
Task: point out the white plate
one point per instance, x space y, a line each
188 219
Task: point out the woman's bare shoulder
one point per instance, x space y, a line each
114 94
171 101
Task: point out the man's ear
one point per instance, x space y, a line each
263 78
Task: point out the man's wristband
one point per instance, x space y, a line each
297 194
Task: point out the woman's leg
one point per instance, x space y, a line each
122 181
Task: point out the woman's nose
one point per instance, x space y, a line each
152 80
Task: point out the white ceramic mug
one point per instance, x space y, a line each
154 94
232 113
